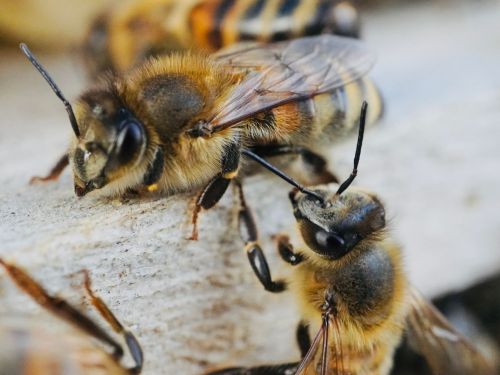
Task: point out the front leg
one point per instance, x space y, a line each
303 338
256 257
285 249
55 172
215 189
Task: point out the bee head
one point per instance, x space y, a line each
108 136
333 229
111 139
334 220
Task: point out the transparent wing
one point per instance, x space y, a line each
317 361
280 73
445 349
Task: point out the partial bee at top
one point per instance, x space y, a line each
127 34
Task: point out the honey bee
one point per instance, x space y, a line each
349 279
129 33
184 121
27 347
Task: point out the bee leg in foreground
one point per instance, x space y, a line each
285 249
54 173
303 338
59 307
283 369
215 189
316 163
133 345
256 257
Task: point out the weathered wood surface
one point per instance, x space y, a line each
434 160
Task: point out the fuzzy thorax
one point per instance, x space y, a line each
165 97
370 292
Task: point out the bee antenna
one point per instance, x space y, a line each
282 175
53 85
354 173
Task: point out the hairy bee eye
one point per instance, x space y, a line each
129 142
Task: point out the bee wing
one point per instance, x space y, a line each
317 361
445 349
309 363
284 72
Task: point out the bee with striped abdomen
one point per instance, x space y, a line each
183 122
352 289
28 347
127 34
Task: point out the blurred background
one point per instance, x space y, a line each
434 158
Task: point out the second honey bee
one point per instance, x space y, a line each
27 347
129 33
353 291
185 121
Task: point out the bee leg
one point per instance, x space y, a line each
285 249
316 163
155 170
208 198
54 173
256 257
303 338
133 345
58 306
318 167
215 189
283 369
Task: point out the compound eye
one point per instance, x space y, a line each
323 242
129 143
330 244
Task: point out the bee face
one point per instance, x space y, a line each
334 228
111 140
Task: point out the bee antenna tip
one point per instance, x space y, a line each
354 173
31 57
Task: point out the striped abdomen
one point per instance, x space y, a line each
370 361
132 32
320 120
341 359
219 23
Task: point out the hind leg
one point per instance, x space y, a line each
73 316
58 306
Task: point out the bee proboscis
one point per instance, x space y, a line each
31 348
352 289
130 32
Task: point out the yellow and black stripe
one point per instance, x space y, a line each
218 23
322 119
128 34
